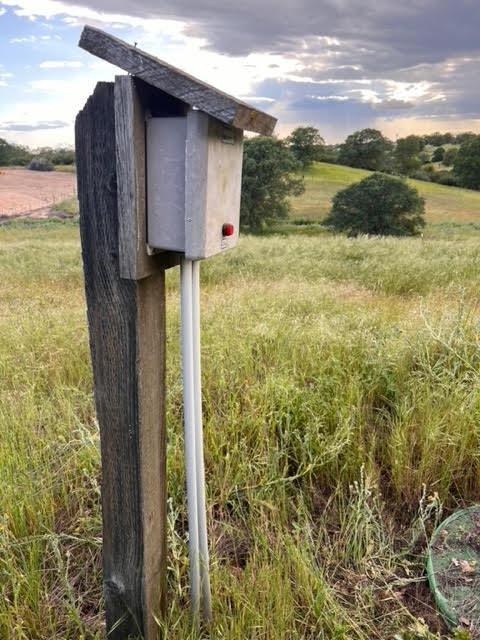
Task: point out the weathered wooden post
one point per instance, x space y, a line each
125 294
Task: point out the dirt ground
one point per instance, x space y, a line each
24 192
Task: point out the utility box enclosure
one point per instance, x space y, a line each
194 172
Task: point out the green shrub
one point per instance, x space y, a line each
450 156
447 178
40 164
62 155
426 176
438 154
424 157
378 205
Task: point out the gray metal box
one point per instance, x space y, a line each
194 171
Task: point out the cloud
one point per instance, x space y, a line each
23 39
331 98
2 11
4 77
31 38
339 63
32 126
395 104
60 64
325 41
258 99
386 34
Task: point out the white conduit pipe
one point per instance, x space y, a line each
189 431
194 464
201 503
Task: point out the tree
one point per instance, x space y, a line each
467 164
330 153
306 144
424 157
460 138
4 153
450 156
437 139
58 155
13 154
438 154
378 205
447 178
406 154
366 149
268 179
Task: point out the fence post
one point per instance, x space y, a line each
126 319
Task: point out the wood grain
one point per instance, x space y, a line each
135 262
175 82
126 321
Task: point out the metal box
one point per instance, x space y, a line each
194 172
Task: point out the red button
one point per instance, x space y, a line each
228 229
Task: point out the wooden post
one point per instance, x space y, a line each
126 320
125 294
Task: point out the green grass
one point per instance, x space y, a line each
68 206
449 210
444 205
67 168
342 413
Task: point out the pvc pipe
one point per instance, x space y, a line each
201 503
189 431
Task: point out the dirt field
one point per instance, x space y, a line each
24 192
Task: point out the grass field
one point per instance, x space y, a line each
341 423
445 206
449 210
67 168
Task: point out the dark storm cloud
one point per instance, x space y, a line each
369 53
394 105
454 87
391 33
334 113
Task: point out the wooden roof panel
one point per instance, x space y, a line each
176 82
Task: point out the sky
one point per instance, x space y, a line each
339 65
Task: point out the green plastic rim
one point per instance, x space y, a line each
453 568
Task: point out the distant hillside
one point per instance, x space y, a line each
443 204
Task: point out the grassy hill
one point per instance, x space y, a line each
443 204
448 209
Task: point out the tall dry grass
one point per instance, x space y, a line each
342 414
